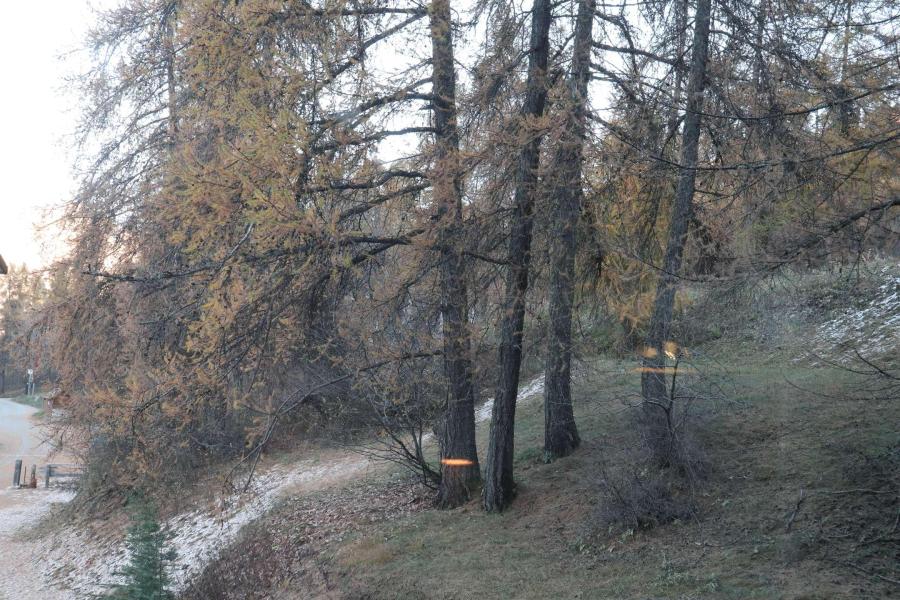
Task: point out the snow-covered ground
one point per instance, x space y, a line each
82 563
873 328
21 569
530 392
76 563
21 509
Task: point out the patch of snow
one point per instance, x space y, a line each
25 512
483 412
73 564
534 387
198 536
873 329
22 509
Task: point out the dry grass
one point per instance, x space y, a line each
773 518
290 552
367 552
549 545
763 450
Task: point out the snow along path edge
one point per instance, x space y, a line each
75 566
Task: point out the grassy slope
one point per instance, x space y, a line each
790 436
791 426
546 546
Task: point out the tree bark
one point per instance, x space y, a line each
172 99
457 437
653 383
499 485
680 25
560 432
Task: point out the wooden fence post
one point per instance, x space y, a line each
47 476
17 474
32 483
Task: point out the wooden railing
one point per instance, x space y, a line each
62 471
69 472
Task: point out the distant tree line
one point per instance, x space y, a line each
25 335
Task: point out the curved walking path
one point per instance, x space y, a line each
21 509
73 563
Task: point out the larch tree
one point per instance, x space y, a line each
460 472
296 211
499 486
560 431
656 407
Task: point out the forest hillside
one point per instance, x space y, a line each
389 298
798 500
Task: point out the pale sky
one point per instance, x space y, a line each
38 48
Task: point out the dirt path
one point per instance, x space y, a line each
21 509
18 438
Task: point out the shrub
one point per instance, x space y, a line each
641 496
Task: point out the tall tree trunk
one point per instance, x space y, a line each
459 457
648 235
499 485
845 106
653 380
680 26
560 432
172 100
